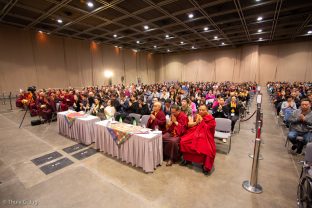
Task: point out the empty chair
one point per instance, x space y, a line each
223 131
144 120
308 154
136 116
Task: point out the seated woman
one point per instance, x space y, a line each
110 110
193 106
210 97
97 108
233 108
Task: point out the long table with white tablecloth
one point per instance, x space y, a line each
77 127
139 147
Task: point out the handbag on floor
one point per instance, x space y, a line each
35 122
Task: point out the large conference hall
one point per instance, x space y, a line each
156 103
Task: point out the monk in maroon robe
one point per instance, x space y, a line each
198 145
171 139
48 109
19 100
157 118
63 103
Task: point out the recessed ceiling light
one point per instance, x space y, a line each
168 50
137 41
155 46
116 46
260 30
215 37
206 28
193 47
135 50
167 36
146 27
90 4
223 43
310 32
260 39
191 16
60 21
115 35
40 31
258 0
182 42
259 18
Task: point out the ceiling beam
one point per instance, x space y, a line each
242 18
179 21
204 13
97 10
6 9
275 18
48 13
302 26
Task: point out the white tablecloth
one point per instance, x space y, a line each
141 150
82 129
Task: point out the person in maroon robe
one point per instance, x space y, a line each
48 108
177 126
19 101
157 118
198 145
63 103
70 98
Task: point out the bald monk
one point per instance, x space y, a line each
198 145
157 118
177 126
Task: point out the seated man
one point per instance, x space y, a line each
157 119
143 107
167 107
176 128
220 111
198 145
301 122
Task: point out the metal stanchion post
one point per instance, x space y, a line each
252 185
257 136
3 101
10 97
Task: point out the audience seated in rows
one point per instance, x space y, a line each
292 102
172 108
